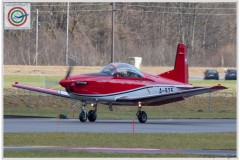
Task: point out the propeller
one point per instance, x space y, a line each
68 72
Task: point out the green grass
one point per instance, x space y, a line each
85 154
230 84
175 141
35 80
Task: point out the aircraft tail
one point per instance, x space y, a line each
180 71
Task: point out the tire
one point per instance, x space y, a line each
142 117
92 116
83 116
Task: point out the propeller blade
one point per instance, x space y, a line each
69 72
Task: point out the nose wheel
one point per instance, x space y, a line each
142 115
83 114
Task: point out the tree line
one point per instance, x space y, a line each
149 30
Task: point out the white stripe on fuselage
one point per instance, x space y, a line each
137 92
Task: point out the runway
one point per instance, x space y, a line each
121 126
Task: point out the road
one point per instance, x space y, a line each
121 126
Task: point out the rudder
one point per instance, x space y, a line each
180 71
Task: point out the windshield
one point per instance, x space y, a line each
122 70
211 71
109 69
231 71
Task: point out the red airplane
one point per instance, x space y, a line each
123 84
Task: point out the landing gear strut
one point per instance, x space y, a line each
83 114
92 114
142 115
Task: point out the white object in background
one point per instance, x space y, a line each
135 61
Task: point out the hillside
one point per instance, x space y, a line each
149 30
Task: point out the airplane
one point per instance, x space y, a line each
123 84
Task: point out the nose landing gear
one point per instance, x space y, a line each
83 114
142 115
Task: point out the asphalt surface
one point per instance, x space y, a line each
121 126
222 153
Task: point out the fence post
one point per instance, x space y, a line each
209 102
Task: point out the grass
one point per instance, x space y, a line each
230 84
123 112
174 141
34 80
193 107
86 154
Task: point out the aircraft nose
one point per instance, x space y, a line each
65 82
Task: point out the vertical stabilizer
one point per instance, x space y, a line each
180 71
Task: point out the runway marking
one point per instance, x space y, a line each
225 153
90 148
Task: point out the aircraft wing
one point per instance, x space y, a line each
170 97
42 90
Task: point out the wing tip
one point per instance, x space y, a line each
15 83
219 87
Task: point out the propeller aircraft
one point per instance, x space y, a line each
123 84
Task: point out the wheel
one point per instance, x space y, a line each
142 116
83 116
92 116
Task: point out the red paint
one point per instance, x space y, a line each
180 71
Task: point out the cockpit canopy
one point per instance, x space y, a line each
122 70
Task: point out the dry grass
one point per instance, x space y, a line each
61 70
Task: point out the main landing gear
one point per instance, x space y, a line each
142 115
91 115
